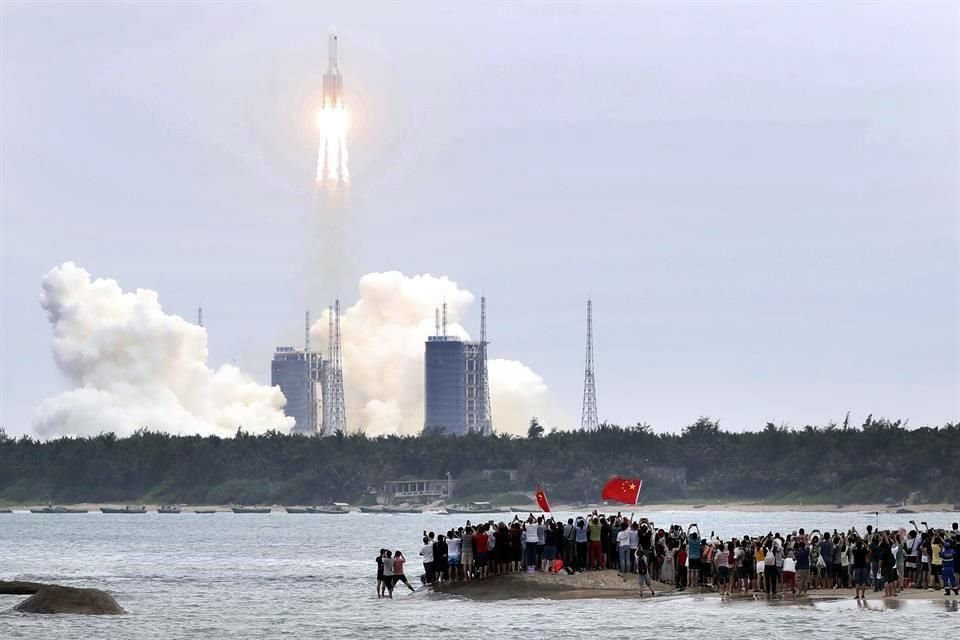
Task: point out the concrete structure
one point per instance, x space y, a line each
415 491
445 393
300 375
456 381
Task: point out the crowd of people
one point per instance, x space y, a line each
770 564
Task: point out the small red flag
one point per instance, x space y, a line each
542 500
626 490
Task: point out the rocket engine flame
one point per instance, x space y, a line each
333 166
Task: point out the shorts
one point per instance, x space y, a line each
694 564
453 561
760 565
549 553
481 558
723 574
644 579
911 562
466 558
860 576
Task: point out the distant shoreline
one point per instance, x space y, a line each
745 507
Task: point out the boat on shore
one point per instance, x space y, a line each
297 510
251 509
401 510
474 507
337 508
126 509
6 511
389 509
52 509
168 508
204 510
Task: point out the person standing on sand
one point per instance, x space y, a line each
426 552
466 552
693 555
595 550
860 569
531 538
643 573
802 554
949 556
789 572
623 548
580 531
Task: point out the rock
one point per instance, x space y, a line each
53 598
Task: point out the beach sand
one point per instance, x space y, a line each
610 584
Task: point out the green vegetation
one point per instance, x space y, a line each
879 461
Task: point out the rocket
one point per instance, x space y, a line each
332 80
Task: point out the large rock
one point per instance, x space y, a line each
52 598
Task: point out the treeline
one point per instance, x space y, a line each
879 461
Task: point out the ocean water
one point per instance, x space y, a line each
303 576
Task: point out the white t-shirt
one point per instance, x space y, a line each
453 547
427 552
634 538
491 540
623 538
789 564
531 529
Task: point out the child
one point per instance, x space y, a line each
643 572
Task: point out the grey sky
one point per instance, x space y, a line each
761 198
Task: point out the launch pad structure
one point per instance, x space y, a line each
312 384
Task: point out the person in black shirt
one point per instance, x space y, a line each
860 569
380 583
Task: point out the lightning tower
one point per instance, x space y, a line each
486 426
588 417
335 414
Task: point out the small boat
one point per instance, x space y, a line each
251 509
168 508
519 510
474 507
52 509
204 510
126 509
401 510
337 508
6 511
371 509
297 509
902 510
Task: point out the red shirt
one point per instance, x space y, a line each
480 542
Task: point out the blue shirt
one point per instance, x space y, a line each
581 533
803 558
693 548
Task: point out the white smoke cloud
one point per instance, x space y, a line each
383 337
135 366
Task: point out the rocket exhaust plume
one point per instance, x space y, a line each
131 365
382 346
333 160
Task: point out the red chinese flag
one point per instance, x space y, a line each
542 500
626 490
